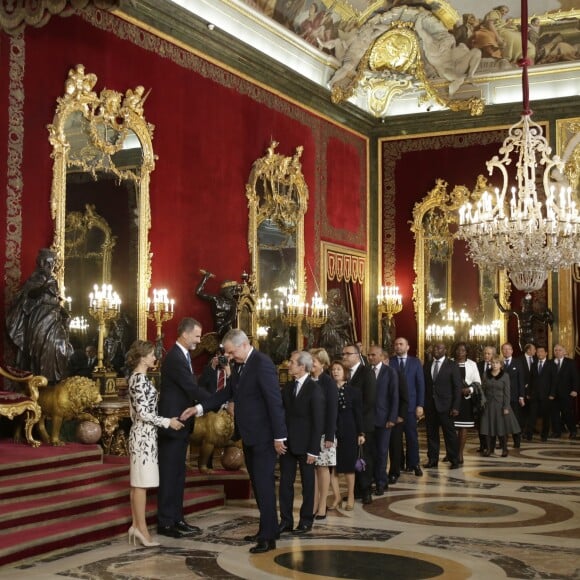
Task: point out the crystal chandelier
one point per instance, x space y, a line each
531 232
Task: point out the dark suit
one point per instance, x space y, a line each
80 365
330 393
441 397
565 381
364 379
415 381
540 390
304 421
516 373
386 410
396 454
179 390
259 420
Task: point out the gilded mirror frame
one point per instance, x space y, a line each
447 204
276 190
121 113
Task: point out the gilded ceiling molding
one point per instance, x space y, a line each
15 143
15 16
391 151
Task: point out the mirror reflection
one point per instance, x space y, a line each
453 299
277 199
100 199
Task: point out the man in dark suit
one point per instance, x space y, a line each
363 378
410 368
82 363
386 411
179 390
259 421
483 366
515 371
304 409
565 393
442 397
541 393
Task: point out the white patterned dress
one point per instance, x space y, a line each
143 396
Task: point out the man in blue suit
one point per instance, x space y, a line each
415 377
179 390
386 410
259 421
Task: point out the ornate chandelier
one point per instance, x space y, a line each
531 232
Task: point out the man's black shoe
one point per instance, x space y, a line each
284 528
185 528
430 464
170 532
263 546
380 490
409 469
393 478
454 466
418 471
253 538
302 529
367 499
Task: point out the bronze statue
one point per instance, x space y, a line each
224 305
338 330
532 322
37 323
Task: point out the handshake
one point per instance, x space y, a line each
189 412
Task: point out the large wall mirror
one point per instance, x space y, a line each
277 199
103 158
448 287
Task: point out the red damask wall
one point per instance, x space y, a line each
210 125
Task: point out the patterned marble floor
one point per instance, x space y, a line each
514 517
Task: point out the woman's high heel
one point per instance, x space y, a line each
137 535
131 535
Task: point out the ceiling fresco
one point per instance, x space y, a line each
388 48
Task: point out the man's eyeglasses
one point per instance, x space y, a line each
349 353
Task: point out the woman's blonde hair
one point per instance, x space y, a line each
321 355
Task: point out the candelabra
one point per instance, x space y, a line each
461 322
436 332
160 309
104 305
389 302
264 309
293 309
317 313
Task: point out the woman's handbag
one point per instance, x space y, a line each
360 464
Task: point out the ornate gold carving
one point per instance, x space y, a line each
433 226
14 405
98 126
568 148
389 65
395 50
79 243
14 16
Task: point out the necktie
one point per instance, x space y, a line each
188 357
296 389
508 362
540 365
487 366
376 370
558 362
530 361
435 370
221 381
401 364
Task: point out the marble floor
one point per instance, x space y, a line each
514 517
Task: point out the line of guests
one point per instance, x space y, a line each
500 395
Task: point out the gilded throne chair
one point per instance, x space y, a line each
25 405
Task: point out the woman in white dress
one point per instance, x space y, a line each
144 470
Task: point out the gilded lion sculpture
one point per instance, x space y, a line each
211 431
68 399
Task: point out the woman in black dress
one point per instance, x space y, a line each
349 430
